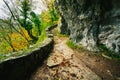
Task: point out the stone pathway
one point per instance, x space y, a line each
62 64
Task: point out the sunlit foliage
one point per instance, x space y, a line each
18 37
17 40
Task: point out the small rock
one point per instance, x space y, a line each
81 77
54 60
73 74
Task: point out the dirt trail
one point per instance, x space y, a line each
64 65
67 64
107 69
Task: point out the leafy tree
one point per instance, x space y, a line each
35 19
52 11
24 19
25 22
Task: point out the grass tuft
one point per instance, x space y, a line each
72 45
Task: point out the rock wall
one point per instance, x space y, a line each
92 22
20 68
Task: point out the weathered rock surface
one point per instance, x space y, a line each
92 22
63 27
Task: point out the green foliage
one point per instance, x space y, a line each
3 47
54 15
23 18
71 44
47 19
42 37
36 21
104 47
45 23
59 34
25 22
109 53
30 27
62 35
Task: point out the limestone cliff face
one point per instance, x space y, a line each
91 22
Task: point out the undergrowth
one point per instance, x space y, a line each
57 33
109 53
47 19
104 51
72 45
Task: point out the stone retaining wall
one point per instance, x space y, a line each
21 67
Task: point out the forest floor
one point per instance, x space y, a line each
65 63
